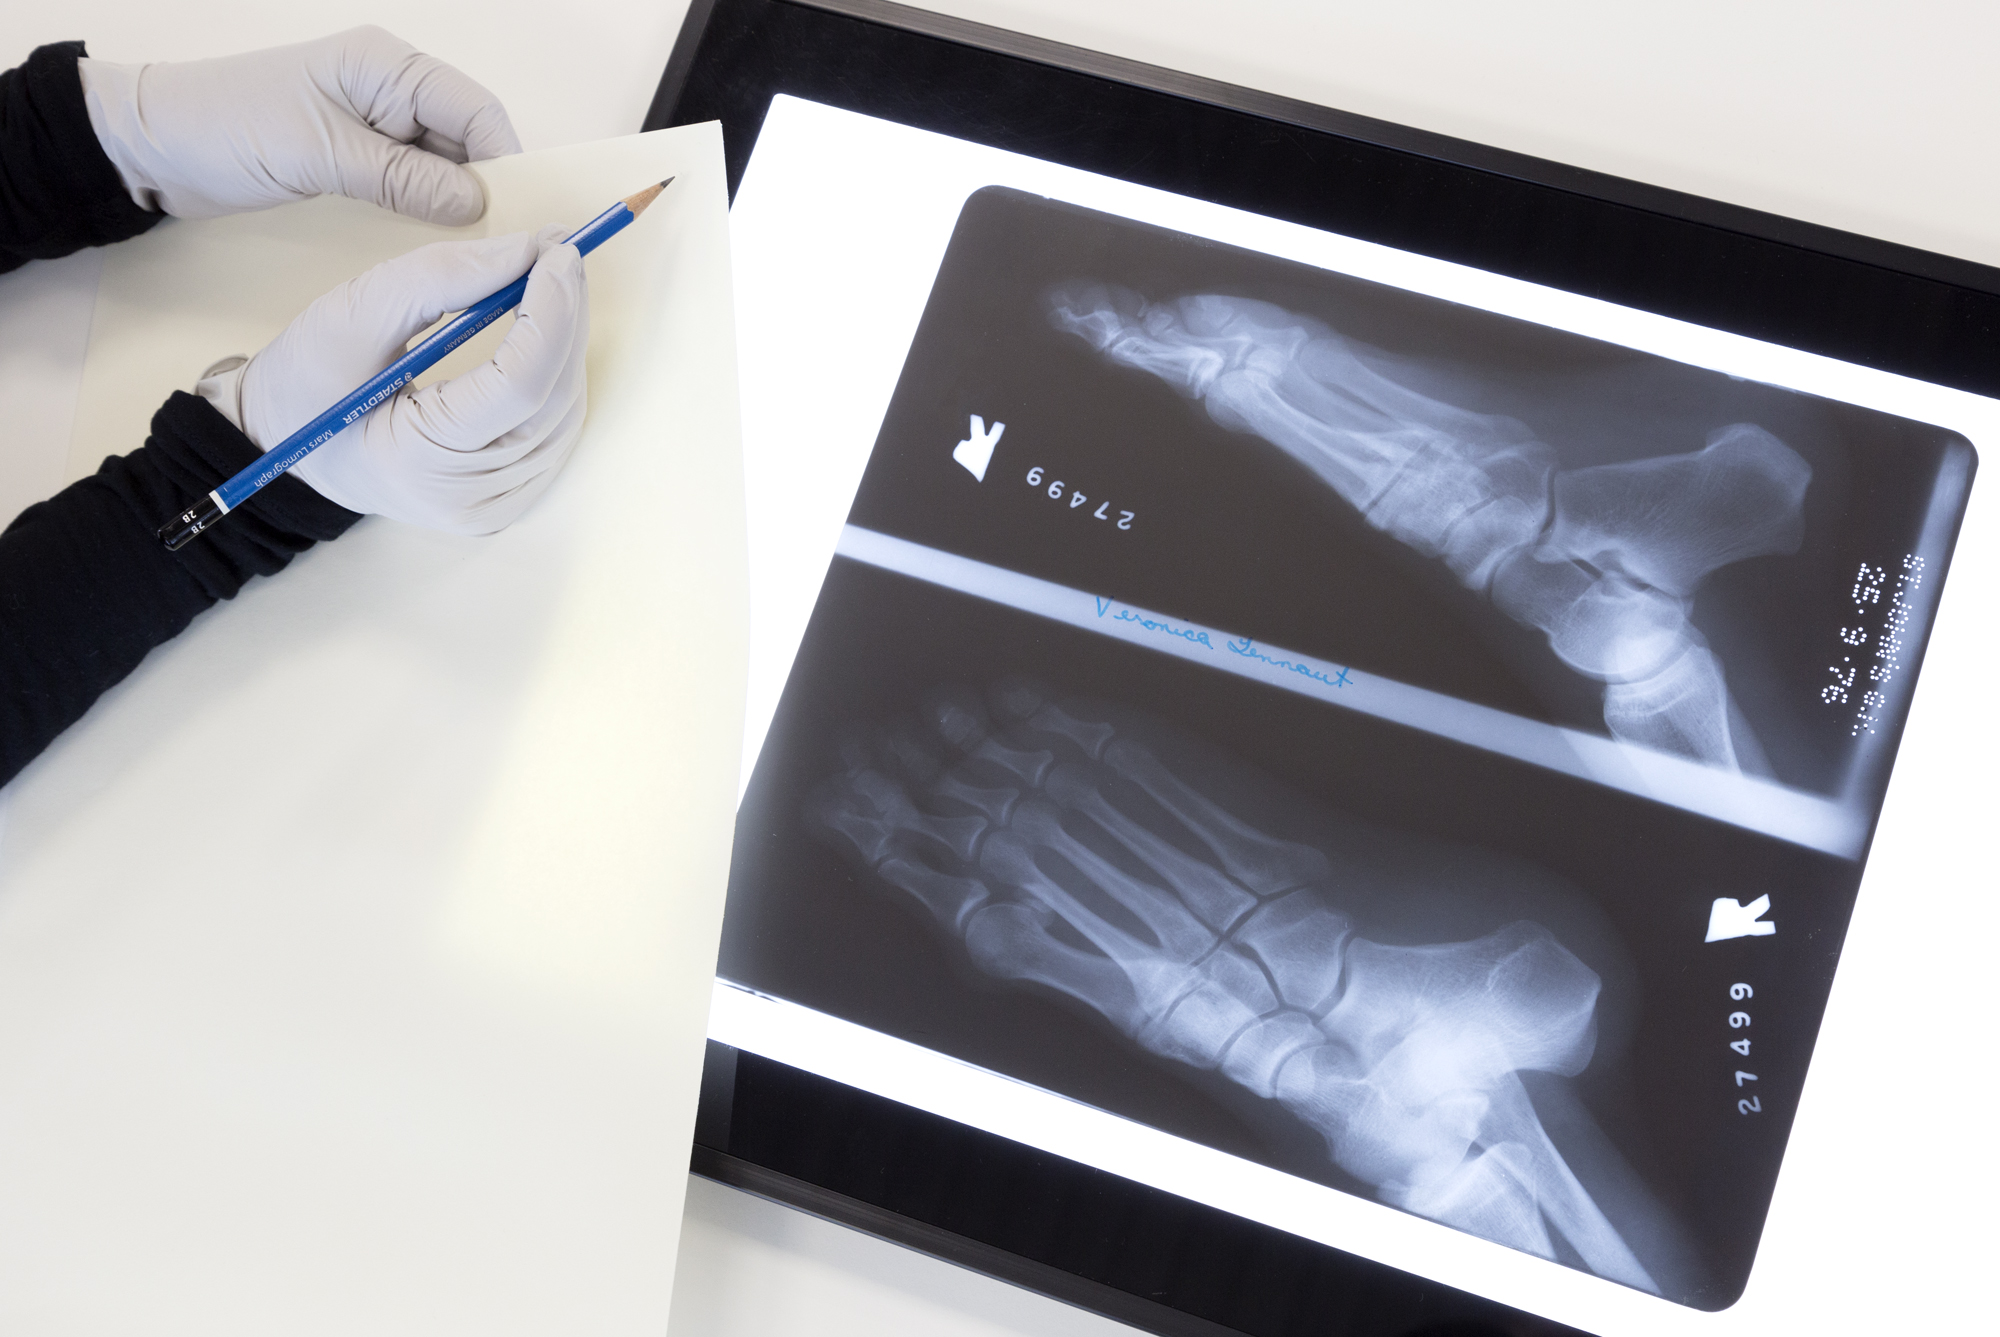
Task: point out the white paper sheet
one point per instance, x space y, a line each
355 952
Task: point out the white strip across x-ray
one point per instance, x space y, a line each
1775 810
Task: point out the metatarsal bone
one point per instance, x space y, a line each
1014 942
1177 933
1215 900
1264 865
1444 501
1156 977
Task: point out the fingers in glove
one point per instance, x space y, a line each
414 97
418 118
363 325
534 453
540 440
493 399
484 490
399 297
403 177
461 120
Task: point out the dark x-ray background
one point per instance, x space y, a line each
1232 533
1442 842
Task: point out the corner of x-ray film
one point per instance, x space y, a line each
1092 851
1603 561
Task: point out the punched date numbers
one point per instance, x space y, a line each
1739 1021
1074 498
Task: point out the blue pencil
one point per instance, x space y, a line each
380 387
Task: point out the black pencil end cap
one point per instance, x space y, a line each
178 532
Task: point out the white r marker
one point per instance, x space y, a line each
1732 919
976 451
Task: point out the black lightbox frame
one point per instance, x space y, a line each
1132 1253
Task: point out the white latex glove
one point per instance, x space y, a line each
361 113
465 456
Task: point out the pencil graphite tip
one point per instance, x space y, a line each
637 203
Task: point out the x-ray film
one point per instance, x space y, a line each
1422 751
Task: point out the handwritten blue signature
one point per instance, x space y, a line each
1248 649
1188 634
1244 646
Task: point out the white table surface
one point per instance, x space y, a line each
1873 118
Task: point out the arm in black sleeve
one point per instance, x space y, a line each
58 189
86 590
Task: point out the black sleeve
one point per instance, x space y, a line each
86 590
58 190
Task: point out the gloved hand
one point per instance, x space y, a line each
361 113
465 456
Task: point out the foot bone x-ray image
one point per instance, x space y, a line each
1063 852
1604 560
